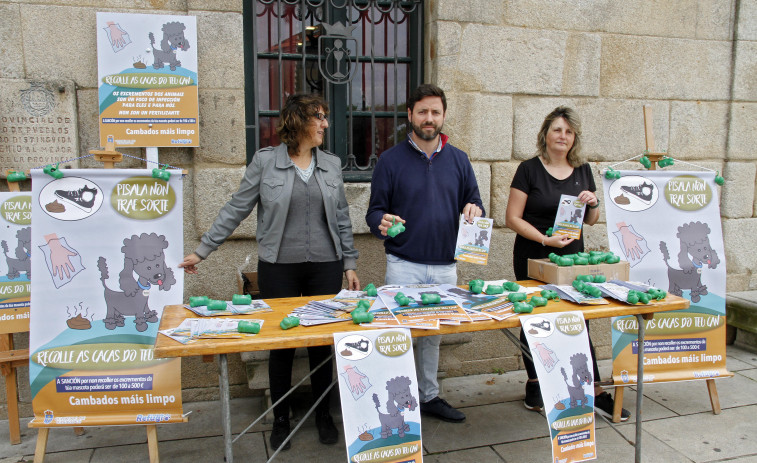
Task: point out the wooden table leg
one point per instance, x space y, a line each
714 399
41 448
152 443
618 407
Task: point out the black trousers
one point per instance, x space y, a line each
293 280
521 273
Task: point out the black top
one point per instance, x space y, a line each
544 192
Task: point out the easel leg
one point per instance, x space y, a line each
12 398
714 399
152 443
223 389
618 407
41 448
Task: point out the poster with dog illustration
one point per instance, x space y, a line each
559 344
147 79
106 243
15 263
379 394
667 224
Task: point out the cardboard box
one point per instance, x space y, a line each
247 283
548 272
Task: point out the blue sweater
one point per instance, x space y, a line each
429 194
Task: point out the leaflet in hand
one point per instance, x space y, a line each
570 217
473 240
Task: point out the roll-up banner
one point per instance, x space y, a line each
667 225
105 244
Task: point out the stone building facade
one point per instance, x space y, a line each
504 65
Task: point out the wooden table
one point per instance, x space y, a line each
272 337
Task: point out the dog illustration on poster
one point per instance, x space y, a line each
173 39
143 266
399 399
22 252
694 252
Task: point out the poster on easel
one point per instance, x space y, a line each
147 79
667 225
559 344
379 395
15 263
106 243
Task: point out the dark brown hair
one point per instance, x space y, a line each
298 110
422 92
571 117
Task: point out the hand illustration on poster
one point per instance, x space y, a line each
60 259
356 381
117 37
694 252
546 356
633 244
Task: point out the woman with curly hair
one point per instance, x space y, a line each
304 239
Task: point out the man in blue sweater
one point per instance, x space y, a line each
425 183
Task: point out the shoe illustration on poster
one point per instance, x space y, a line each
71 198
634 193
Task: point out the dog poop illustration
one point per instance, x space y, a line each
620 199
78 323
366 436
346 353
55 207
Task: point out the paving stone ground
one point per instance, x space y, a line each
678 426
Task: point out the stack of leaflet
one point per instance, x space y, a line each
423 316
569 293
618 289
256 306
193 329
333 310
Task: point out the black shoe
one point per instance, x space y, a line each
604 405
439 408
533 400
280 432
83 198
327 433
643 191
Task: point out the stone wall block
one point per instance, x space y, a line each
696 129
663 68
11 48
42 25
738 193
742 241
443 72
747 20
503 172
444 39
358 195
215 5
213 187
218 273
582 58
480 125
483 173
222 131
512 60
220 50
473 11
612 130
638 17
714 19
742 137
745 79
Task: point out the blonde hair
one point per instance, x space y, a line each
571 117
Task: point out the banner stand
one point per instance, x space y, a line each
109 157
654 158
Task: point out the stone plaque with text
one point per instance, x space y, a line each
38 124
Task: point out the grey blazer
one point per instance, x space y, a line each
267 184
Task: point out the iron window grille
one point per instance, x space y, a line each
362 56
